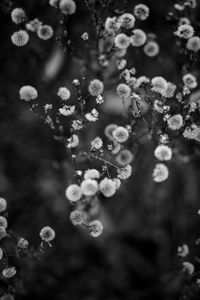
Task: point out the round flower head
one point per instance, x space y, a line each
183 251
67 7
121 134
175 122
107 187
122 41
28 93
7 297
47 234
22 243
3 222
141 11
120 52
124 158
89 187
73 141
1 253
73 193
91 174
163 153
64 93
171 88
185 31
34 25
18 15
151 49
142 81
96 87
9 272
112 24
117 183
97 143
123 90
20 38
184 21
109 130
159 85
2 232
95 228
188 267
3 205
45 32
54 3
160 173
76 217
138 38
190 81
125 173
127 21
193 44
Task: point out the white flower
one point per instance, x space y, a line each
1 253
183 251
77 125
125 173
64 93
18 15
93 116
67 7
121 134
160 173
185 31
67 110
45 32
28 93
190 81
76 217
73 141
54 3
3 205
188 267
89 187
73 193
138 38
109 130
175 122
122 41
20 38
33 25
112 24
193 44
95 228
9 272
96 87
171 88
159 85
163 153
117 183
151 49
124 158
127 21
97 143
123 90
47 234
92 174
3 233
3 222
141 11
107 187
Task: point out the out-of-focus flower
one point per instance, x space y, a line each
22 243
141 11
89 187
45 32
109 130
138 38
47 234
122 41
67 7
121 134
54 3
2 232
160 173
107 187
123 90
183 251
151 49
64 93
124 158
73 193
28 93
33 25
3 222
73 141
190 81
3 205
188 267
20 38
92 174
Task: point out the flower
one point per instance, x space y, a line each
107 187
117 183
123 90
73 193
159 85
54 3
3 205
96 87
22 243
151 49
163 153
183 251
175 122
185 31
1 253
67 7
3 222
142 80
193 44
190 81
18 15
92 116
95 228
45 32
73 141
124 158
121 134
97 143
47 234
89 187
169 93
20 38
28 93
9 272
33 25
2 232
122 41
138 38
92 174
188 267
127 21
112 24
160 173
141 11
76 217
125 173
121 63
67 110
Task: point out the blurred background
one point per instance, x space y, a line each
144 223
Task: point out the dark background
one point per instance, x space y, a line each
135 258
